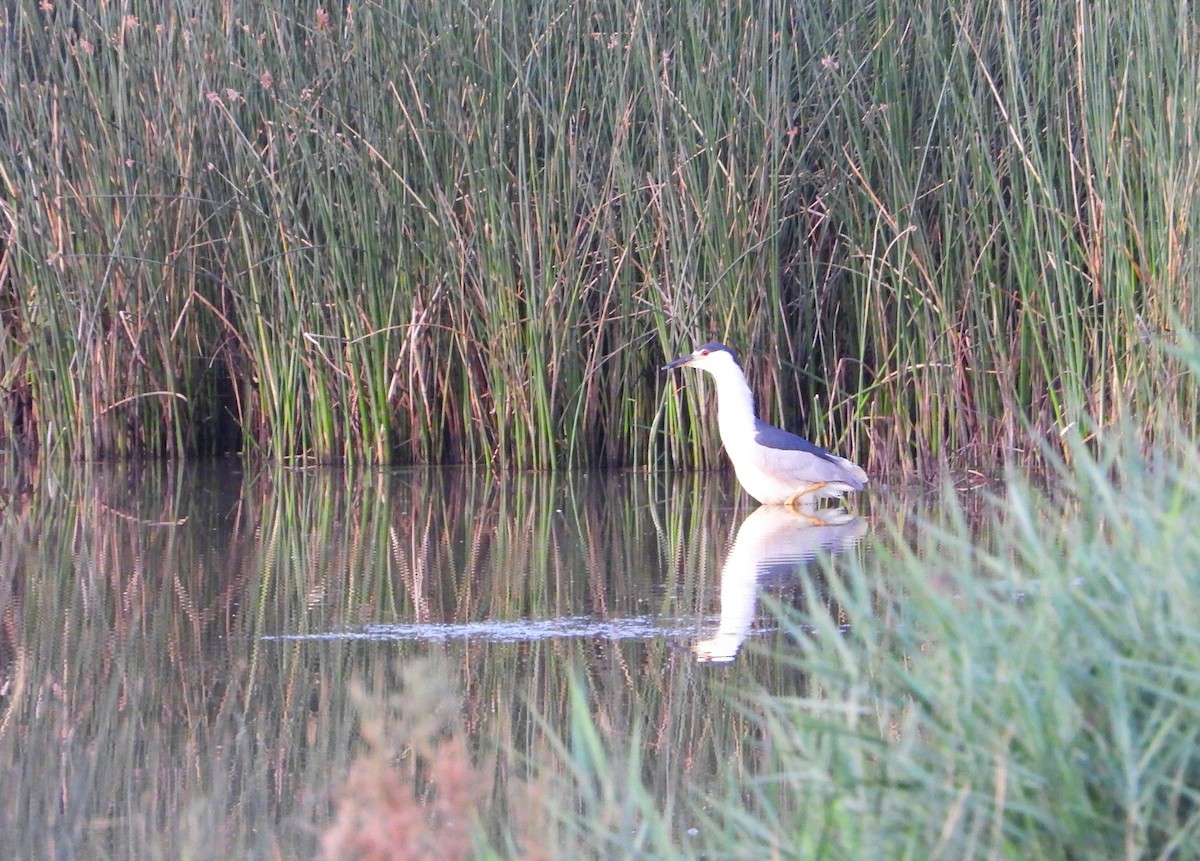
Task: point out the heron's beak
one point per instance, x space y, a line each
679 363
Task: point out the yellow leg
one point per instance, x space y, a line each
794 499
793 503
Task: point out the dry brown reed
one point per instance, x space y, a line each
412 793
384 815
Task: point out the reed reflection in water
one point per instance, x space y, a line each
178 645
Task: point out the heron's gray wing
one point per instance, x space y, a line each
785 453
773 437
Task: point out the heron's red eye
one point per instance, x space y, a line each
704 352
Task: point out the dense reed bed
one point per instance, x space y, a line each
471 231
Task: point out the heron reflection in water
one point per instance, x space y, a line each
772 541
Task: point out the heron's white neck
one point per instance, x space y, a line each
735 404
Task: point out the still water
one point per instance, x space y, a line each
180 647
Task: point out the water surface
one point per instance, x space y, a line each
180 644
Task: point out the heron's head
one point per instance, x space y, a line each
713 357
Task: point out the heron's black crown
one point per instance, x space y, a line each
713 347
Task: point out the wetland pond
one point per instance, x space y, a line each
188 652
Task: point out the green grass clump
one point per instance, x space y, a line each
471 231
1021 682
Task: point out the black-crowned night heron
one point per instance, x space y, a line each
774 466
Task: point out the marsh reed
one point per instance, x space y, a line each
471 232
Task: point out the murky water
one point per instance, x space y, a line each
179 644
